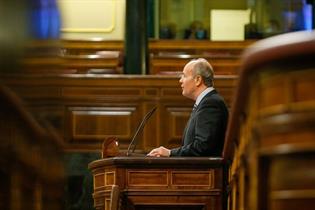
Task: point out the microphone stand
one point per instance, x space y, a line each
140 128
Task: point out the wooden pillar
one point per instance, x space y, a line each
136 43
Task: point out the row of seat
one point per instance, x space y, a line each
165 57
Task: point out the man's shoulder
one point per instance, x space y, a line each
214 98
214 95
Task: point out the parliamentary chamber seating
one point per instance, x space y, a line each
92 56
165 57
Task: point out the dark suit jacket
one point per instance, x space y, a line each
205 131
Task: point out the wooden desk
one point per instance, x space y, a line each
159 183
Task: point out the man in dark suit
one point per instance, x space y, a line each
205 131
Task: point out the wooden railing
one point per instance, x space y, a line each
31 169
270 140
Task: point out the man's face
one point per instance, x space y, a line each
187 81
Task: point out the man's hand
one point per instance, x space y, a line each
159 152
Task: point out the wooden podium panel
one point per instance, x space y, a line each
159 183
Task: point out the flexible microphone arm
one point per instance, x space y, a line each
140 128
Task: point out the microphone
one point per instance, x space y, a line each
140 128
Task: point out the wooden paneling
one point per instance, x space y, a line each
86 109
99 123
170 56
103 62
162 183
173 63
166 56
79 47
107 56
99 180
147 178
31 168
270 138
193 180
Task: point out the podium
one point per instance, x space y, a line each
159 183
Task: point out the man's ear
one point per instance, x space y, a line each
198 80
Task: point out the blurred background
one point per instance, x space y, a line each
71 38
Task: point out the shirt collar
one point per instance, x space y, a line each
202 94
